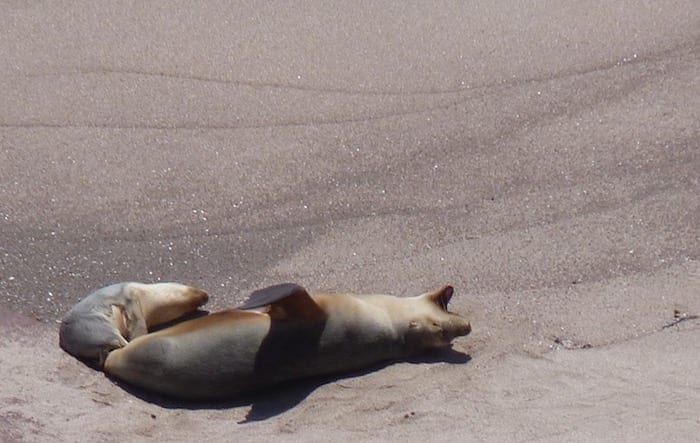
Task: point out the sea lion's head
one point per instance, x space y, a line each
429 323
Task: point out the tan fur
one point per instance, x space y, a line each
295 335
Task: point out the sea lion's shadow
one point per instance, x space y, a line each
275 400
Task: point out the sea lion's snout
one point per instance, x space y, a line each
464 329
457 327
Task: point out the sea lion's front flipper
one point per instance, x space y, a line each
284 301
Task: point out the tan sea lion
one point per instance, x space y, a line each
110 317
294 335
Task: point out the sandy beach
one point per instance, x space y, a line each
541 157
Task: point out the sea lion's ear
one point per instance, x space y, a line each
441 297
287 300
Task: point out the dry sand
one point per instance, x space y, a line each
542 157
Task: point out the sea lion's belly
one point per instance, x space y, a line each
197 359
222 355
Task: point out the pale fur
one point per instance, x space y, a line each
234 351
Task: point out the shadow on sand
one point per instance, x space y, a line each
275 400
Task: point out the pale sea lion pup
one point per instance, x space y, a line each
295 335
110 317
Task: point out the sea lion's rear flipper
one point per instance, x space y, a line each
284 301
111 317
164 302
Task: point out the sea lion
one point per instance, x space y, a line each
110 317
293 335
